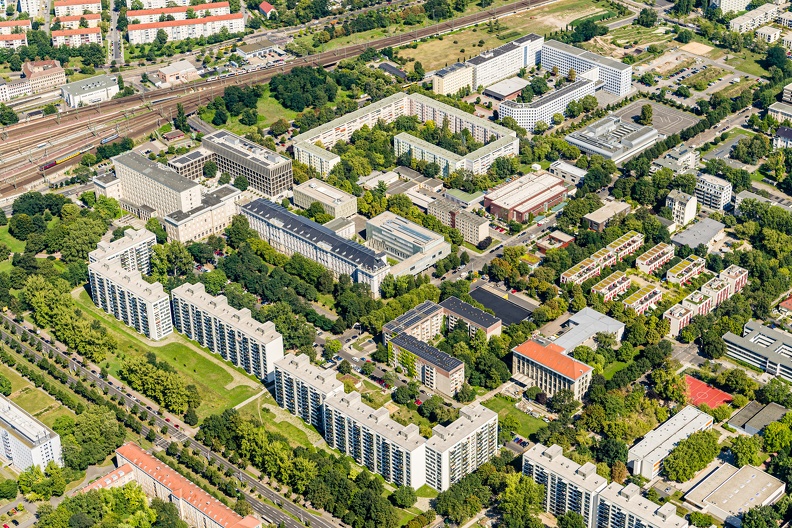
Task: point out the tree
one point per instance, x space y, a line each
279 127
344 367
367 369
161 38
243 508
611 450
190 417
619 472
5 386
249 117
760 517
691 456
153 224
712 344
571 519
403 497
239 231
776 56
419 69
563 403
668 384
241 182
8 489
558 118
777 436
747 450
646 114
701 520
647 17
540 127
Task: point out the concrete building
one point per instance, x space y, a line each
224 330
787 94
554 240
474 228
215 213
682 205
159 4
10 27
731 6
457 311
179 72
375 441
505 61
764 14
785 19
780 112
681 159
90 91
73 21
423 322
335 202
532 194
30 7
302 388
148 16
706 231
25 441
599 219
612 286
736 276
754 417
189 28
614 139
478 161
74 38
655 258
646 457
290 233
451 79
507 89
615 75
543 108
689 268
763 347
625 245
700 303
569 173
619 506
713 192
127 297
583 327
458 449
539 363
644 299
43 75
679 316
13 41
415 247
768 34
718 289
132 251
568 485
343 227
435 369
195 506
589 267
76 7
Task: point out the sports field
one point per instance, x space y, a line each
699 392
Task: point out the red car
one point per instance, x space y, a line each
418 403
6 526
167 420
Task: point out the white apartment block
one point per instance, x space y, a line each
375 441
682 205
335 202
13 41
9 27
780 111
612 286
73 21
506 61
127 297
30 7
132 251
786 40
655 258
731 6
644 299
451 79
215 213
538 363
787 94
616 75
423 322
224 330
160 4
74 38
458 449
76 7
785 19
646 457
568 485
768 34
302 388
183 29
543 108
764 14
25 441
622 506
713 192
679 317
685 270
149 16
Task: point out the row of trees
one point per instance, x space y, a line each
159 381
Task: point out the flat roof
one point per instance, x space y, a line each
451 69
244 148
583 476
90 85
427 352
702 232
131 280
177 67
469 312
507 310
770 343
506 87
658 249
550 96
131 238
735 491
568 167
690 261
604 284
523 189
254 47
666 435
463 196
323 192
412 317
640 294
22 424
586 324
757 415
629 498
599 60
300 367
552 356
506 48
471 418
403 229
162 174
607 211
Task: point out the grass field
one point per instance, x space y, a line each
626 39
33 400
613 368
269 110
264 408
528 425
220 384
735 89
16 246
701 80
748 62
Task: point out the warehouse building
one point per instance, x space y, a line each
90 91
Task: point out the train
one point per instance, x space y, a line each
67 157
108 139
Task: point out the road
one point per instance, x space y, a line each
269 513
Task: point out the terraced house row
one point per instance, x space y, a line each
626 244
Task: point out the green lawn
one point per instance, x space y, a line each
528 425
748 62
220 384
613 368
33 400
16 246
375 392
327 300
269 110
17 381
426 492
471 247
292 428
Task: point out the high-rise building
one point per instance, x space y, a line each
132 251
543 108
505 61
24 440
621 506
432 367
713 192
302 388
616 75
763 347
682 205
451 79
458 311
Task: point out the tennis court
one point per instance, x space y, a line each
699 392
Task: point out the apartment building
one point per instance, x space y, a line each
13 41
435 369
505 61
375 441
90 91
539 363
160 4
302 388
478 161
681 159
215 213
189 28
599 219
532 194
451 79
655 258
713 192
699 303
764 14
30 7
646 457
127 297
158 480
132 251
569 486
543 108
458 449
718 289
9 27
614 139
612 286
554 240
290 233
682 205
458 311
689 268
780 111
74 38
423 322
415 247
644 299
224 330
24 440
148 16
474 228
569 173
625 245
616 76
619 506
335 202
589 267
76 7
768 34
736 276
73 21
763 347
731 6
679 316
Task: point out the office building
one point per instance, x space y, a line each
458 449
731 6
451 79
43 75
646 457
544 107
343 227
532 194
179 72
764 14
415 247
713 192
76 7
423 322
24 440
687 269
132 251
582 328
505 61
435 369
781 112
539 363
682 205
474 228
74 38
655 258
127 297
554 240
644 299
599 219
768 34
302 388
211 217
615 75
458 311
375 441
189 28
568 485
335 202
569 173
763 347
612 286
614 139
158 480
90 91
73 21
148 16
620 506
224 330
700 303
290 233
679 317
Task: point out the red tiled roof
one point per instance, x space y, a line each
174 23
15 36
78 31
552 356
61 3
76 18
266 7
40 68
786 304
111 479
15 23
184 489
179 9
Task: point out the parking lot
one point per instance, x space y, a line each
665 119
